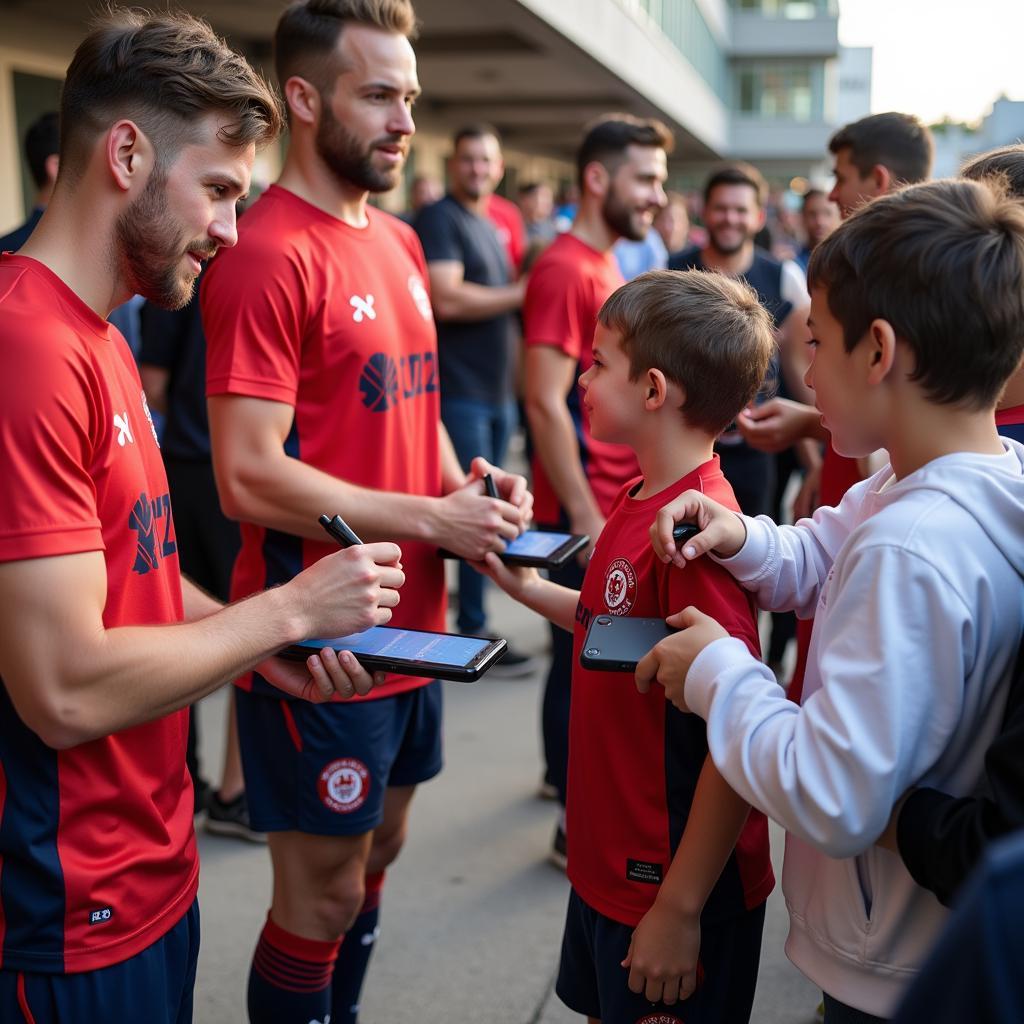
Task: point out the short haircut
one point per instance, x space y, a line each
943 263
163 71
307 34
607 139
42 140
899 142
812 193
479 130
738 174
1005 165
706 332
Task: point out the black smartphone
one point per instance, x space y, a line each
542 549
411 652
615 643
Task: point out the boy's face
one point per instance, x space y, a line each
613 401
838 378
852 191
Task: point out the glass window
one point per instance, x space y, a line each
776 90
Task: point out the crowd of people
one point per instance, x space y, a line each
861 374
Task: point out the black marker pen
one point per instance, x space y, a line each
340 531
489 489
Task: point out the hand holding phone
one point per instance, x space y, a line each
616 643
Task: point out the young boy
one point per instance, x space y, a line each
665 860
917 307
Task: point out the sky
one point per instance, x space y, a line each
936 58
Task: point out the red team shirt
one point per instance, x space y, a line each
335 322
566 290
634 760
97 850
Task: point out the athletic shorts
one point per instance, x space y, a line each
323 769
154 986
592 980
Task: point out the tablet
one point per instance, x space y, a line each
542 549
616 643
411 652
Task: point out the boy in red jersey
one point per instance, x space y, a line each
621 168
664 860
102 644
323 394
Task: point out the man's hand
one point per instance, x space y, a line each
512 487
321 677
778 424
663 955
348 591
670 659
470 524
721 530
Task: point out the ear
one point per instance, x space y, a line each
882 179
52 165
761 218
596 178
303 98
880 351
655 389
129 155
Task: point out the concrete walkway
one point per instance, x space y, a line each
472 912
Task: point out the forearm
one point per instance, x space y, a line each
467 301
713 826
135 674
282 493
555 603
554 438
197 602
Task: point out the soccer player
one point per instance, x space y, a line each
324 394
621 168
102 644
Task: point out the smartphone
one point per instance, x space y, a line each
542 549
615 643
411 652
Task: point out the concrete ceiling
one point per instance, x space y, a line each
487 60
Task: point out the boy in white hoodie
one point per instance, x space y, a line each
915 581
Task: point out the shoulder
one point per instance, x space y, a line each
395 230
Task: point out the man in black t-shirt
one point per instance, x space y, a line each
474 300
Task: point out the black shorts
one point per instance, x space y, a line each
592 980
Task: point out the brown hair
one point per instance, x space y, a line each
899 142
943 263
706 332
1005 165
738 174
163 71
307 34
606 140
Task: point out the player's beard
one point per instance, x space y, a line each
151 245
625 221
342 153
728 248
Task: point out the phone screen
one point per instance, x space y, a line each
407 645
537 543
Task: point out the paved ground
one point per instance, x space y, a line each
472 913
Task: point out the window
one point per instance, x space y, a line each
776 91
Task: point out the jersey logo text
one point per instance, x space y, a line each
143 519
124 431
101 916
383 382
362 308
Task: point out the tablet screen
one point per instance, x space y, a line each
408 645
537 543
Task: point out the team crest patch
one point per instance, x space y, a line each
344 784
660 1018
620 587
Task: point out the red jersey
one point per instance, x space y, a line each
507 218
334 321
97 850
634 759
566 290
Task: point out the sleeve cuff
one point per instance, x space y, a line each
718 657
752 561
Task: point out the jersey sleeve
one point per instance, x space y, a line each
254 311
438 234
49 414
552 310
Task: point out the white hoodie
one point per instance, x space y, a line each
917 592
